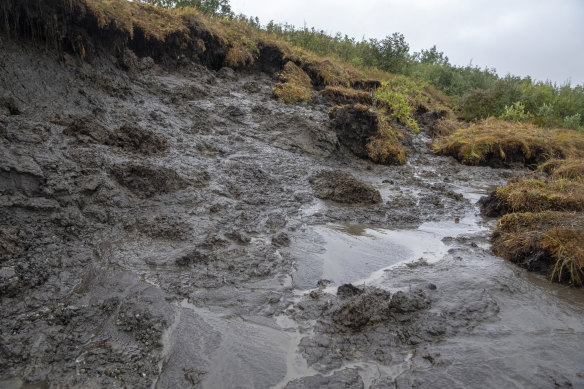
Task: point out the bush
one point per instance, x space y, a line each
515 113
572 122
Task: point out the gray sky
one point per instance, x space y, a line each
544 39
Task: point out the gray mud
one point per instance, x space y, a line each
158 228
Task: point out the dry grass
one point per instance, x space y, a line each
493 141
295 85
548 231
549 242
569 169
537 195
344 95
446 126
386 147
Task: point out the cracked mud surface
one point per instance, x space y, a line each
160 229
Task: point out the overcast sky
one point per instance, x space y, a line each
544 39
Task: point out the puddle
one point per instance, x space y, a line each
352 253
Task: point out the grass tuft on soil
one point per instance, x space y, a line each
543 229
295 85
548 242
369 133
344 95
495 142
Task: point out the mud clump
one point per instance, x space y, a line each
490 205
377 306
344 188
348 290
370 133
136 140
86 130
193 258
148 181
281 240
344 379
354 127
128 137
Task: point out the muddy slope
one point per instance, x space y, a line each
159 228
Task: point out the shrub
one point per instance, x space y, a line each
573 121
515 113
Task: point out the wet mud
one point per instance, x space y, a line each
173 227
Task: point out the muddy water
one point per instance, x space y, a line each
194 260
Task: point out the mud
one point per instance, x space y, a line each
159 227
344 188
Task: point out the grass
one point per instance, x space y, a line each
445 126
554 239
369 132
295 85
537 195
344 95
386 147
545 221
494 141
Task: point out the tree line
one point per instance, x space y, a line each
477 92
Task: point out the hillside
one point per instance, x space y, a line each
188 201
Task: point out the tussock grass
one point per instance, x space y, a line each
493 141
446 126
386 147
546 232
569 169
548 242
537 195
295 85
344 95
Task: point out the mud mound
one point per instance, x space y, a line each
370 133
342 187
348 290
148 181
136 140
377 306
87 130
10 243
354 128
490 205
344 379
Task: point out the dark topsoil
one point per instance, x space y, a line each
129 188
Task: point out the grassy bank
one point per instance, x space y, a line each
543 225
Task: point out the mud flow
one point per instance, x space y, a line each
179 227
